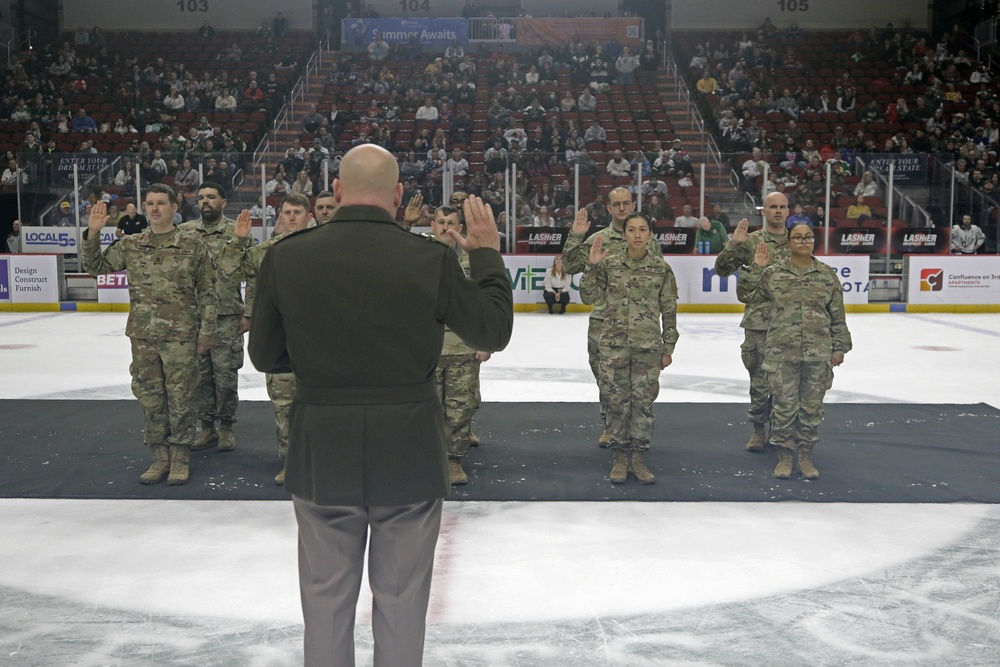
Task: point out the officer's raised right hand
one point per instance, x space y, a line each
480 227
581 223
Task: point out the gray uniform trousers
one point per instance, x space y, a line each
332 541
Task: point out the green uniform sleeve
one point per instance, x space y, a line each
838 321
96 262
668 313
576 253
207 297
733 257
593 284
749 288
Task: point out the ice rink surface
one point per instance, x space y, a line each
156 583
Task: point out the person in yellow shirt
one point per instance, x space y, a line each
859 210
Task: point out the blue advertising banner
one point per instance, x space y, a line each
911 168
358 33
87 163
4 280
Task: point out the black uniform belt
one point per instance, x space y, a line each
407 393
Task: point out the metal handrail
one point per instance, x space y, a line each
16 41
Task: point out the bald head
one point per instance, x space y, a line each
775 212
369 176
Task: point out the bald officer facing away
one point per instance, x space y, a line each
357 309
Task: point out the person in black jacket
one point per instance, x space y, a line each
367 444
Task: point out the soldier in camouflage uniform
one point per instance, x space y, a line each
575 256
806 337
171 322
637 339
240 256
457 371
738 255
218 390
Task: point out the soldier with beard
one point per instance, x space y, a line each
217 396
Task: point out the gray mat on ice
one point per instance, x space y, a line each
884 453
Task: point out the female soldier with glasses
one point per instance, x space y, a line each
807 336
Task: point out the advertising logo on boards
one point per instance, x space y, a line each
931 280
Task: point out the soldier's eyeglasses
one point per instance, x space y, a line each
802 239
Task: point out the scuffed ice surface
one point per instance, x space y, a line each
938 609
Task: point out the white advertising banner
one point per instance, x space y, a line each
947 279
59 240
112 287
697 281
526 274
32 279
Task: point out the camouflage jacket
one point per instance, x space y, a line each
739 257
576 255
216 237
453 345
640 301
171 283
242 256
806 309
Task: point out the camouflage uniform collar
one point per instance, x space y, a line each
628 261
614 233
218 228
147 238
362 214
801 271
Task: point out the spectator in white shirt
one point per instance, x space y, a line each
618 165
428 111
595 133
686 220
457 164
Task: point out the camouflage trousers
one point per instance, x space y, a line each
752 351
594 356
797 390
218 390
281 391
164 379
458 390
631 377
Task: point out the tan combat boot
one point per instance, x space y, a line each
784 467
806 466
638 467
619 466
756 442
279 479
207 437
227 441
160 467
473 439
603 441
179 458
456 475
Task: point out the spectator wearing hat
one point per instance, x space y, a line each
64 212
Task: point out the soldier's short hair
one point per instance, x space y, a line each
643 216
163 189
451 210
209 185
326 194
296 199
